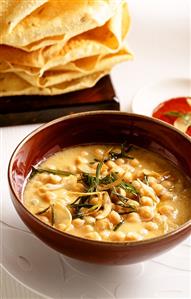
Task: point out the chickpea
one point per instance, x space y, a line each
152 180
128 177
84 153
79 187
105 234
44 177
131 168
133 236
143 231
151 226
136 185
122 192
81 160
114 217
99 153
44 219
146 201
134 162
119 170
159 219
88 228
89 219
117 236
55 179
93 236
72 168
35 202
167 184
78 222
104 168
134 203
103 224
41 191
133 217
69 228
104 173
159 189
120 161
94 200
111 164
146 213
94 166
166 210
167 196
49 196
61 227
139 173
37 184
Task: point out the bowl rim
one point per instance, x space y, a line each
124 244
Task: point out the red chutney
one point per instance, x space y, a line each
165 110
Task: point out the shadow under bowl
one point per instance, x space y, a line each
98 127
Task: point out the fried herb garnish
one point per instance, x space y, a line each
98 169
36 170
79 214
89 181
130 188
110 178
123 154
81 205
118 225
124 201
126 212
146 179
52 215
43 211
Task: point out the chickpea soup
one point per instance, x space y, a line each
109 193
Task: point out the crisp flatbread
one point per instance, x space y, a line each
12 84
53 18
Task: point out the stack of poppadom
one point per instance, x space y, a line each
52 47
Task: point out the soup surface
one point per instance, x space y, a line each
109 193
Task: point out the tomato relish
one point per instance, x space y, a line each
175 111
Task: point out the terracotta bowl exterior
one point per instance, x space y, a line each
98 127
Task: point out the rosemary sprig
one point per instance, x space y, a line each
118 225
81 205
48 170
98 169
42 211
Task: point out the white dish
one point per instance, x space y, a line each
149 97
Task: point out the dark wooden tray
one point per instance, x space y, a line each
17 110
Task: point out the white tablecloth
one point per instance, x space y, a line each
160 40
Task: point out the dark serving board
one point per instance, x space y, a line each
17 110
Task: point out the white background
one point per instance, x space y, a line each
160 40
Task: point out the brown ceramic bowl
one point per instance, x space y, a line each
98 127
